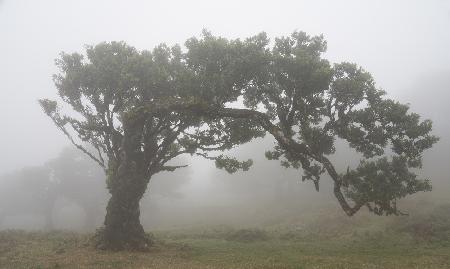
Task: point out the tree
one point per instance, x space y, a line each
34 190
76 177
28 191
105 93
72 175
139 110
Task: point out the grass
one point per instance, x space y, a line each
216 248
326 241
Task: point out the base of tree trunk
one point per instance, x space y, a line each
116 241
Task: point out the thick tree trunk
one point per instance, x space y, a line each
127 181
123 229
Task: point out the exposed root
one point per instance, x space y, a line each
131 241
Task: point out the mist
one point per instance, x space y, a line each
47 184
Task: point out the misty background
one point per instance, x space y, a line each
404 44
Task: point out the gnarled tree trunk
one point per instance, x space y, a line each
123 229
127 182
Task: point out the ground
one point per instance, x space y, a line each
224 247
321 240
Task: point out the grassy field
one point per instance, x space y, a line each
228 248
326 240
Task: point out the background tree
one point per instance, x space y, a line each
80 180
33 191
28 192
72 177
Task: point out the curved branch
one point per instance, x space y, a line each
80 147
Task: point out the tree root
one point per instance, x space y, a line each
130 241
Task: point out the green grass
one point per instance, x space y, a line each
322 241
215 248
366 250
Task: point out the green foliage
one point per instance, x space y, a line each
310 104
145 108
383 181
118 93
231 165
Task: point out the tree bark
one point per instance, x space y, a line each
122 227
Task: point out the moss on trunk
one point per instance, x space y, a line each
122 228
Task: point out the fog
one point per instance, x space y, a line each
404 44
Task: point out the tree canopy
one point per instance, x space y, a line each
140 109
312 103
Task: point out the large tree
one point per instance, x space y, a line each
139 110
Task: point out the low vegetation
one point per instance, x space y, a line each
326 242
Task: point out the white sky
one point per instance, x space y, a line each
399 42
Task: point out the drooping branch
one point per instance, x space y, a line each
50 108
293 149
